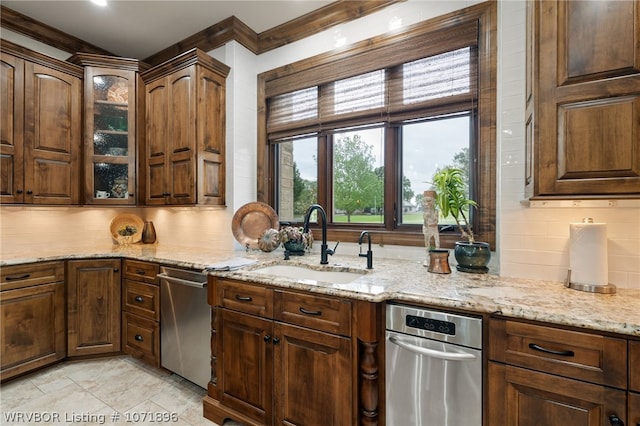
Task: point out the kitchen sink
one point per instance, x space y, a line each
306 274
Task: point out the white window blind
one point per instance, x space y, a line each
403 91
438 76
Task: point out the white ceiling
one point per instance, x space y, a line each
140 28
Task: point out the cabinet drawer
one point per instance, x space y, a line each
141 271
573 354
634 366
248 298
141 338
142 299
313 311
19 276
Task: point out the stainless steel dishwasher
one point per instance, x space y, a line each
433 368
185 324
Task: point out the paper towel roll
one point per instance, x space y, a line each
588 253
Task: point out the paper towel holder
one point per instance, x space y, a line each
603 289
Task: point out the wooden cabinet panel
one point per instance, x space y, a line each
584 356
141 299
239 296
634 366
311 310
32 274
244 382
312 377
11 128
94 306
32 328
141 338
185 101
53 137
521 397
141 311
140 271
583 98
634 409
41 128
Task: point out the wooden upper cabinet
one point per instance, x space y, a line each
583 98
111 130
185 131
11 129
41 129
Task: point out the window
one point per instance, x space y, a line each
363 132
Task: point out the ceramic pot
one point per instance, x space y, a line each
472 257
149 233
294 247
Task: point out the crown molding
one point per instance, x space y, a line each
22 24
212 37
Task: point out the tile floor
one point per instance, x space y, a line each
102 391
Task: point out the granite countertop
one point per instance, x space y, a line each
397 280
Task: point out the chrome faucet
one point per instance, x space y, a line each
324 250
369 253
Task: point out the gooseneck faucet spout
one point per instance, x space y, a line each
324 250
369 253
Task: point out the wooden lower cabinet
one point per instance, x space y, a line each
312 376
522 397
141 311
93 306
270 371
32 317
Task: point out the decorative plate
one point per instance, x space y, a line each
251 221
127 228
118 92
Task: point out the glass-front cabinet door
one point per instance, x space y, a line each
110 148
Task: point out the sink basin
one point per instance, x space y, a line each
302 273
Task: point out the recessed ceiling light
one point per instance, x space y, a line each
99 2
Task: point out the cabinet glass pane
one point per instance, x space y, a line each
111 180
110 144
110 115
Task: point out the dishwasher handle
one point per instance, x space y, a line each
180 281
449 356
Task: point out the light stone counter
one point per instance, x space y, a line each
397 280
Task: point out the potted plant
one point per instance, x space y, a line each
295 240
451 199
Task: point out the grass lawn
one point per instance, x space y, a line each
408 218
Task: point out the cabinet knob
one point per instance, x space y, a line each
276 340
139 299
116 270
267 338
139 338
19 191
29 192
614 420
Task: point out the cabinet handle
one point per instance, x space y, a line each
116 270
166 194
19 191
244 298
550 351
307 312
139 338
183 149
140 272
276 341
139 299
267 338
615 420
21 277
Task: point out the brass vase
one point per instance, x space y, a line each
148 233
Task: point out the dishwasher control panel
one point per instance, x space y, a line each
430 324
442 326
